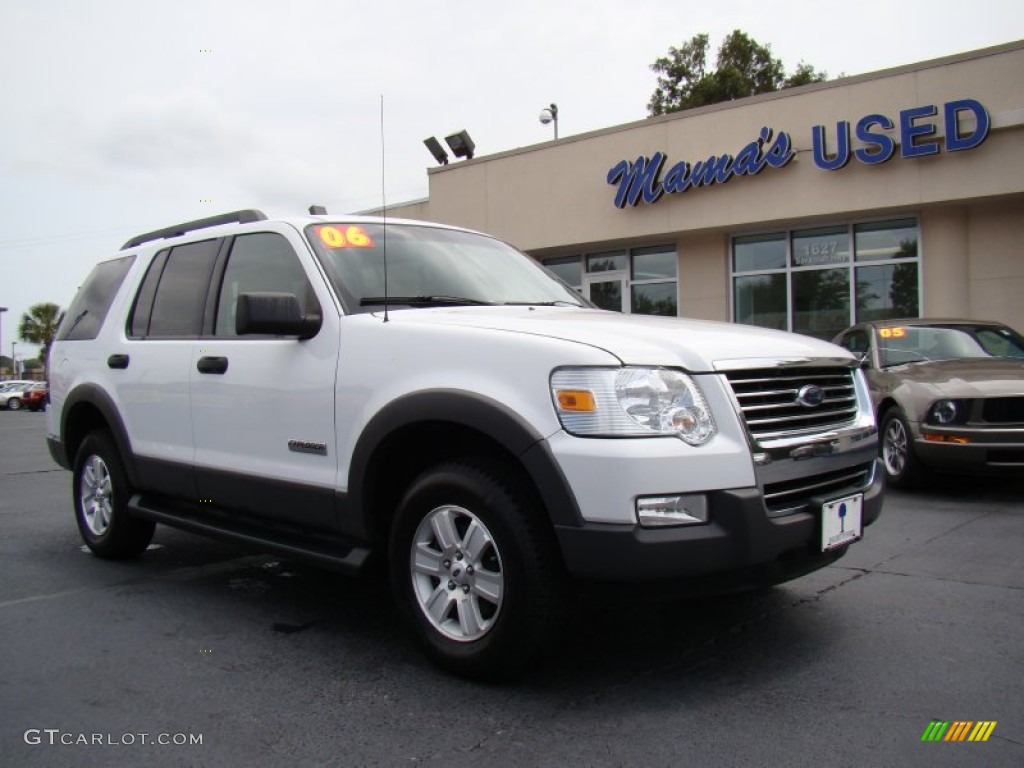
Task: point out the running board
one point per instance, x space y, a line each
333 554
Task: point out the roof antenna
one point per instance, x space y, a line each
383 209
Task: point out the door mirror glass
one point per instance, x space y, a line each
277 314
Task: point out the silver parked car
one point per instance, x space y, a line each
11 393
949 394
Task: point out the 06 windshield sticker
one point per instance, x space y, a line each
352 236
892 333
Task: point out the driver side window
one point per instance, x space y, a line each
261 263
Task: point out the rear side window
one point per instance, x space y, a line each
87 312
173 295
139 324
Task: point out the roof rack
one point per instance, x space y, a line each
235 217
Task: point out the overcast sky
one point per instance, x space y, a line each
120 117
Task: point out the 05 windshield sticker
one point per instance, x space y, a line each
352 236
892 333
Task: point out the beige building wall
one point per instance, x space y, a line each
945 266
554 199
703 276
995 242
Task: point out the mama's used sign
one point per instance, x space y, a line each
645 179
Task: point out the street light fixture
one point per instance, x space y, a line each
437 150
461 144
550 115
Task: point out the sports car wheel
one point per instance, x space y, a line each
902 467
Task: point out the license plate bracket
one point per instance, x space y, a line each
841 522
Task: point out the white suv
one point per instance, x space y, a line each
334 388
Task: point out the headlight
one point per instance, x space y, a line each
631 402
948 412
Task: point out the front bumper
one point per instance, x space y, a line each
741 546
990 451
57 452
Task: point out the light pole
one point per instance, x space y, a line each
14 363
2 310
550 115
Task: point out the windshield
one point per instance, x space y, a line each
429 266
914 344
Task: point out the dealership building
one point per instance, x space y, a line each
891 194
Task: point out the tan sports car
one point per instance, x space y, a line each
949 395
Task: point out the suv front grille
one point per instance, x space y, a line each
789 496
770 399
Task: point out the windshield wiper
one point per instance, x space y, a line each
75 323
422 301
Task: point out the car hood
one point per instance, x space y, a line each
969 377
695 345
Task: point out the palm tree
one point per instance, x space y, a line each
39 326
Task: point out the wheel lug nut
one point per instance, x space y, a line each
447 563
451 585
469 569
465 588
458 555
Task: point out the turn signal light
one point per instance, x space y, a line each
959 440
580 400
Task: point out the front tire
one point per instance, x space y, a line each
101 493
13 404
475 570
902 466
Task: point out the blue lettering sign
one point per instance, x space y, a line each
878 148
918 137
909 131
641 179
781 152
638 179
820 152
954 140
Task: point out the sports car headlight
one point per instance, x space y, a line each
948 412
631 402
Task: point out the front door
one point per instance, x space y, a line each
263 406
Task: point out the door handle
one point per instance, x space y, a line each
117 361
212 364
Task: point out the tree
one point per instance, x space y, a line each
744 68
39 326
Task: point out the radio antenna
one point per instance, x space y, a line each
383 209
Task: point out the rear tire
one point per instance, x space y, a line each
475 570
101 493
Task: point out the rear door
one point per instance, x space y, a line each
150 369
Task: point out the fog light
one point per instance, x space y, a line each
689 509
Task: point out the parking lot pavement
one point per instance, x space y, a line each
266 662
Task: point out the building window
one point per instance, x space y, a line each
819 281
641 281
569 269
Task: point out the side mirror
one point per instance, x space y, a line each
277 314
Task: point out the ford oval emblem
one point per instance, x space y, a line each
810 396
